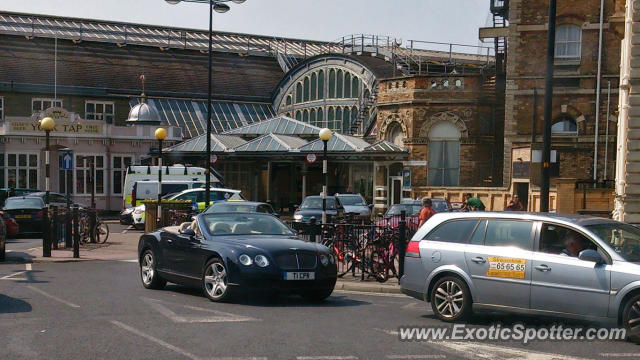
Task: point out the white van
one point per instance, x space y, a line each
148 189
137 173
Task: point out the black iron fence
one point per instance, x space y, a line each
71 227
365 251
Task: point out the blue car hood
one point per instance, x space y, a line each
270 243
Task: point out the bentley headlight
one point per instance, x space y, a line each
261 260
297 217
245 260
324 259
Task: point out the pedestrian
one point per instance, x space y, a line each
472 203
515 204
426 212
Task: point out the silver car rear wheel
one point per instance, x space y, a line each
450 299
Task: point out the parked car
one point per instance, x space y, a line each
437 204
27 211
8 192
355 205
311 208
11 224
196 196
392 216
241 206
56 199
531 263
229 253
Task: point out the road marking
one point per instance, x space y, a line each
53 297
125 231
621 355
327 357
416 356
237 358
28 267
369 293
8 251
11 276
410 306
129 260
34 248
155 340
214 315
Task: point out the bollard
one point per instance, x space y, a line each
313 229
46 234
76 233
54 228
92 225
402 243
67 232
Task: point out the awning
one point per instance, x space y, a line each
279 125
272 143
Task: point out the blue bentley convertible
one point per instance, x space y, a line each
227 254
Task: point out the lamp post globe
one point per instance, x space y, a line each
47 124
325 134
161 133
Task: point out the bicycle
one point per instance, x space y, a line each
384 258
100 230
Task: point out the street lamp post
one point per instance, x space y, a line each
161 134
548 100
218 6
324 135
47 124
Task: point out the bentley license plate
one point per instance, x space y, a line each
300 275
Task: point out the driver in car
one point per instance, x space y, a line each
573 245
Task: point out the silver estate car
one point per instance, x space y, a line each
554 264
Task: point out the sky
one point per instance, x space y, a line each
450 21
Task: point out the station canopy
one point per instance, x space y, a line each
286 137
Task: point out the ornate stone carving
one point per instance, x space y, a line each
443 116
393 117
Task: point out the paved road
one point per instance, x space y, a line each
99 310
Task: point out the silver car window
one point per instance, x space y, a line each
560 240
509 233
478 235
457 231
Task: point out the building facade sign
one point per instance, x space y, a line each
65 127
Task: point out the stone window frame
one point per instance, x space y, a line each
28 167
96 115
80 166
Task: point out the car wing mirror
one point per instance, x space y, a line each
188 232
591 255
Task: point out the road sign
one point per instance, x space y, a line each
67 161
311 158
213 159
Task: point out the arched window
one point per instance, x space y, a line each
394 134
288 100
305 116
568 42
314 86
306 89
332 84
444 154
288 114
312 117
355 87
331 117
321 118
566 126
346 119
298 93
320 84
299 115
347 85
339 84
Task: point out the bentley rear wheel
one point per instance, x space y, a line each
148 273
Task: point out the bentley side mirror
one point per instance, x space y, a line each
188 232
591 255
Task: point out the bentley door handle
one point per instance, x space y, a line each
478 260
543 268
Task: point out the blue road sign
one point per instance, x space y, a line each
67 161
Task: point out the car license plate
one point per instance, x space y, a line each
299 275
27 216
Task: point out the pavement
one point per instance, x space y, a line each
122 245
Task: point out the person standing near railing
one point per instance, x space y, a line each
426 211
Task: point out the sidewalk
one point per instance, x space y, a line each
121 246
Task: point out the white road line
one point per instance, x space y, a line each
8 251
369 293
53 297
28 267
212 316
8 277
34 248
237 358
125 231
155 340
416 356
621 355
129 260
327 357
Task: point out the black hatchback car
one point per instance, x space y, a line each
229 253
27 211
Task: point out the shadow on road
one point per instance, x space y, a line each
18 257
272 300
9 305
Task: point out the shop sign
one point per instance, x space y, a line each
66 127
